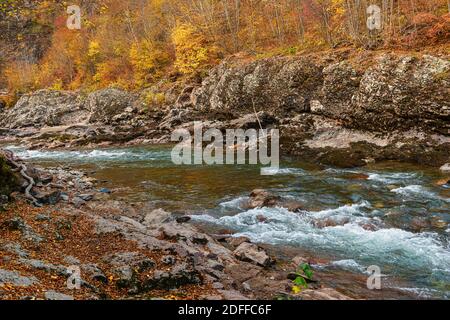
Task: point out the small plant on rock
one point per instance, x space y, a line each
304 273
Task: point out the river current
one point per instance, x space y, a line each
390 215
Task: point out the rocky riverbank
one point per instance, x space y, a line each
338 109
128 251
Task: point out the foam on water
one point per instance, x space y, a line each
283 171
422 252
413 191
234 203
349 264
88 155
392 178
424 293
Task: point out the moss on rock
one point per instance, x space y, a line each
8 180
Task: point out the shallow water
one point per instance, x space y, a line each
350 221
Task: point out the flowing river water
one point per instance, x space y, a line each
394 216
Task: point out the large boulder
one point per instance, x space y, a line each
250 252
45 108
107 104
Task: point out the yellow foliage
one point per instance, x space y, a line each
113 72
57 86
20 77
94 50
152 99
148 61
192 52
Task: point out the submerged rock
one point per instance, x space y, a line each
260 198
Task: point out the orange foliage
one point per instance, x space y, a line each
133 44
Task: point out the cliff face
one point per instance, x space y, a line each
395 93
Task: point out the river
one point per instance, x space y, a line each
391 215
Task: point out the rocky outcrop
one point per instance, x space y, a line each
45 108
108 105
396 92
337 110
280 86
50 108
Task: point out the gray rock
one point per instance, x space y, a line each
45 108
236 241
53 295
86 196
15 279
232 295
78 202
169 260
49 198
70 260
252 121
214 265
16 249
44 266
64 196
3 199
180 275
250 252
445 168
133 259
217 285
156 217
125 276
105 104
94 272
15 224
42 217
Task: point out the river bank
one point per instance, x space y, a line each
355 222
126 251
